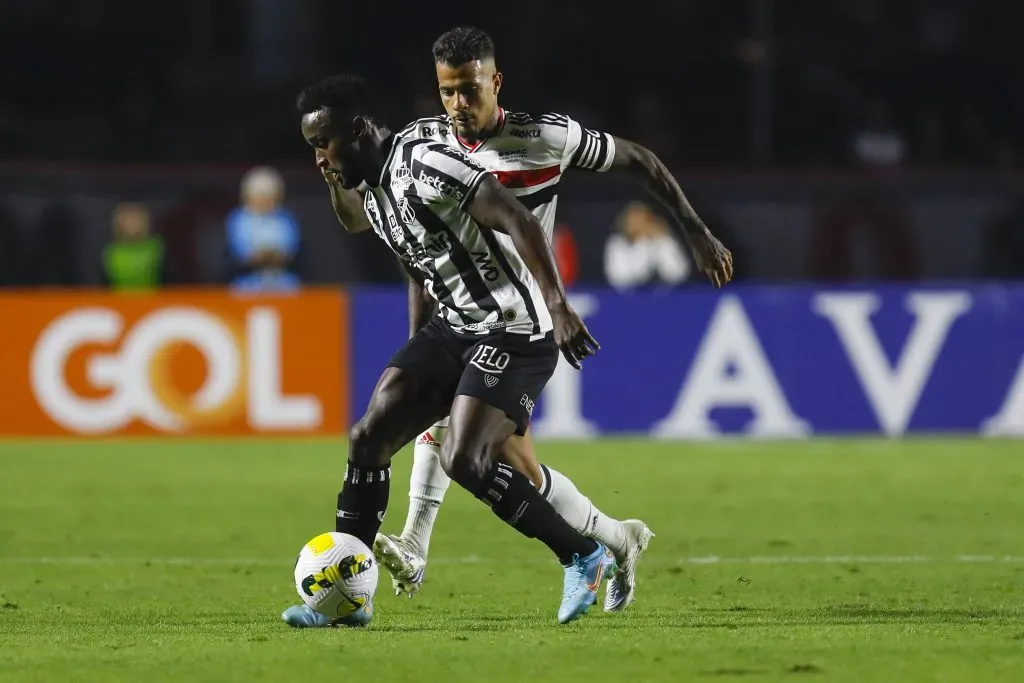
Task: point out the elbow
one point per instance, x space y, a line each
636 158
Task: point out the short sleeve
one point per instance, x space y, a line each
586 149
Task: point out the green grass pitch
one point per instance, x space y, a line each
853 560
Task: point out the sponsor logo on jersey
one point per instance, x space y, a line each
446 189
396 231
437 245
513 155
525 133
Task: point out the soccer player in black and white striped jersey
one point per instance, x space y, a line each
528 154
484 359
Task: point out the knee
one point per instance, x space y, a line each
517 454
366 446
468 462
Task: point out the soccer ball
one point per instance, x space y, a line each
336 575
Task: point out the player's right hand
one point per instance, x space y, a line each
712 258
572 337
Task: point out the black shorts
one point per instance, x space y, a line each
507 371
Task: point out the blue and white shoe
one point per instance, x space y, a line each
403 560
582 580
301 616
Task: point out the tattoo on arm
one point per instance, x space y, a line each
643 163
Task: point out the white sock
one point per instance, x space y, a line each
427 486
580 513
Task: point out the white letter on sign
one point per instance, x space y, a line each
269 408
730 340
893 392
1009 421
49 359
563 396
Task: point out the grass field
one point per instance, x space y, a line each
825 561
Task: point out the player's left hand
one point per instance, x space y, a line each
572 337
712 258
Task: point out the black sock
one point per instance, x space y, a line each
516 502
363 501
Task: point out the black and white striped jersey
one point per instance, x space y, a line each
476 275
528 154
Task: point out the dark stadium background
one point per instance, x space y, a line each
755 104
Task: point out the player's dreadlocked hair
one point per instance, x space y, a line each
346 92
461 45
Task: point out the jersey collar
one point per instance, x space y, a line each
479 143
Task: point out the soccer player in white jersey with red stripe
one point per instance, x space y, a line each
528 154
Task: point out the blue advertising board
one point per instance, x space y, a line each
767 361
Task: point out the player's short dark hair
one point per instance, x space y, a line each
346 92
461 45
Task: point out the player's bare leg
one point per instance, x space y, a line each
405 555
626 539
400 407
477 432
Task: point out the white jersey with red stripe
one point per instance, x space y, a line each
528 154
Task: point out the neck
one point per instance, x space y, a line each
489 130
376 154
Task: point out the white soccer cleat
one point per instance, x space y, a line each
403 561
622 584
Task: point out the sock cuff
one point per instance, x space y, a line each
545 485
355 474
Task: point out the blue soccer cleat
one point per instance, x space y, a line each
582 579
301 616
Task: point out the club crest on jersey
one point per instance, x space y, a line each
401 179
408 215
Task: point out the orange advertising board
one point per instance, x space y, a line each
188 362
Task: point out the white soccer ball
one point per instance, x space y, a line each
336 575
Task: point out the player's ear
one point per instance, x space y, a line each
497 80
360 125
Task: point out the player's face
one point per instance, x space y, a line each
336 147
469 93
